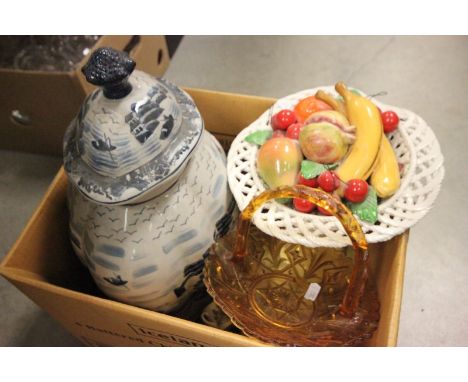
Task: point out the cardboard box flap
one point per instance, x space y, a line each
231 113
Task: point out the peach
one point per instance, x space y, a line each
322 142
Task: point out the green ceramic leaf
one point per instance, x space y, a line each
311 169
331 166
259 137
367 209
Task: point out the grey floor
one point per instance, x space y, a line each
428 75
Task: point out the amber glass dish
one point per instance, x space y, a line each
290 295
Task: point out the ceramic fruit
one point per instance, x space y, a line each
335 103
148 188
386 175
337 119
356 190
322 142
365 116
283 119
309 105
294 130
313 182
303 205
328 181
341 134
278 161
390 121
278 133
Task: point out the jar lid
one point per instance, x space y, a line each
133 136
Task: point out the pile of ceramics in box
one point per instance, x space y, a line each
148 186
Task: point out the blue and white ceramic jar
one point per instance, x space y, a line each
148 190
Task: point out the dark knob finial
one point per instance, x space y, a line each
110 69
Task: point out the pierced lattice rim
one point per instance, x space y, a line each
416 147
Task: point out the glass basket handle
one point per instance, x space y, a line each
326 201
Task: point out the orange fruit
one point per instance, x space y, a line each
309 105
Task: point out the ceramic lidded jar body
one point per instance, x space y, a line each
147 185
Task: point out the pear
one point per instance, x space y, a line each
279 161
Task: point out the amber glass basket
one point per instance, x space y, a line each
290 295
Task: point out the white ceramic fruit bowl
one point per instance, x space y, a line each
416 148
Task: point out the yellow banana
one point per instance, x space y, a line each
365 116
386 176
331 101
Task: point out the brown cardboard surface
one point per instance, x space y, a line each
105 322
43 266
51 99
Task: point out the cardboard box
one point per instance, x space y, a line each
52 99
43 266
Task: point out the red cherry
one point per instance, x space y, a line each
323 211
283 119
294 130
337 180
356 190
303 205
278 133
308 182
390 121
328 181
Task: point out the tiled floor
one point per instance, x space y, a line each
428 75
